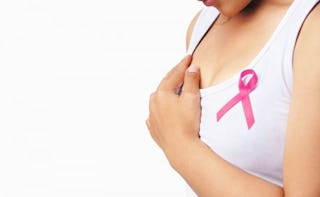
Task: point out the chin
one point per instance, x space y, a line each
225 10
228 12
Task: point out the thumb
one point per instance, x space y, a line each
191 80
175 77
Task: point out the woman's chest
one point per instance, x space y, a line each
258 149
227 49
220 55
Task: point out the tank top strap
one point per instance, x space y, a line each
295 22
205 20
291 32
300 12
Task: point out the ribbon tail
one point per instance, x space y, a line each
246 104
228 106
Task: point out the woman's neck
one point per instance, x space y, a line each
255 7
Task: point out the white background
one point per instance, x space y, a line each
75 77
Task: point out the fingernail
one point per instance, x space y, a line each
193 69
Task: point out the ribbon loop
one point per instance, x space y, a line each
245 88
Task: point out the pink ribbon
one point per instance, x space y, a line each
244 90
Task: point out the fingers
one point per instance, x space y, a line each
175 77
191 80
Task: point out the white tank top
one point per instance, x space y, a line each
255 147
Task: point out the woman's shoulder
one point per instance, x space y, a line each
205 15
311 24
303 136
191 27
308 42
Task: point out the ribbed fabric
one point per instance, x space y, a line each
258 150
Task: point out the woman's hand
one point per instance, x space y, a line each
174 122
174 118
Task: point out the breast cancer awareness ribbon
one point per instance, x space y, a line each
244 90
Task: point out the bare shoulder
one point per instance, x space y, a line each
309 35
313 18
307 58
302 150
191 27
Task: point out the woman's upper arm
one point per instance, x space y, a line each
190 29
302 150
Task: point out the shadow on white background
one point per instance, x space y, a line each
75 79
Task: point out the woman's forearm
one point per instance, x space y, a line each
209 175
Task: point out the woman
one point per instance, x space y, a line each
250 126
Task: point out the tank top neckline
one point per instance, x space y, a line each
252 65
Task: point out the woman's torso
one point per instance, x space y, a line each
223 53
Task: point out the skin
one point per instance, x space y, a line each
217 54
228 8
174 119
